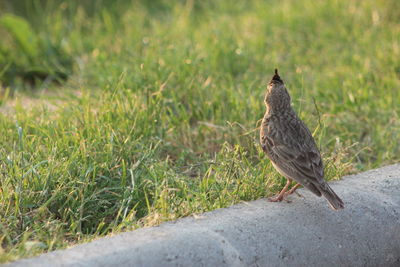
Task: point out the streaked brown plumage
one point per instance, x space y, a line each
290 146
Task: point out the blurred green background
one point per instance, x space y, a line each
122 114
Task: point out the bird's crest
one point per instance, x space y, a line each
276 78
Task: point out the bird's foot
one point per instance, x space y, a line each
277 198
283 194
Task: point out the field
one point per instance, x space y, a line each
159 116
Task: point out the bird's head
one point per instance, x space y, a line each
277 97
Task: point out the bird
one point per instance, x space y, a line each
290 146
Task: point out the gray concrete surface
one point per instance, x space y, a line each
305 232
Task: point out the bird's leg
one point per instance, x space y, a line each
291 191
281 194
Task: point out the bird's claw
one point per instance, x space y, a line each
275 199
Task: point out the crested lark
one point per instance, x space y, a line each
290 146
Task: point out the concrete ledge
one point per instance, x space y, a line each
305 232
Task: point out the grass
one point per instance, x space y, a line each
170 98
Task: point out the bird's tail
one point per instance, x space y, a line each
334 200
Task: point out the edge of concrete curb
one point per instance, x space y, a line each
259 233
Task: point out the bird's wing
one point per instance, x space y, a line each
292 149
305 163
